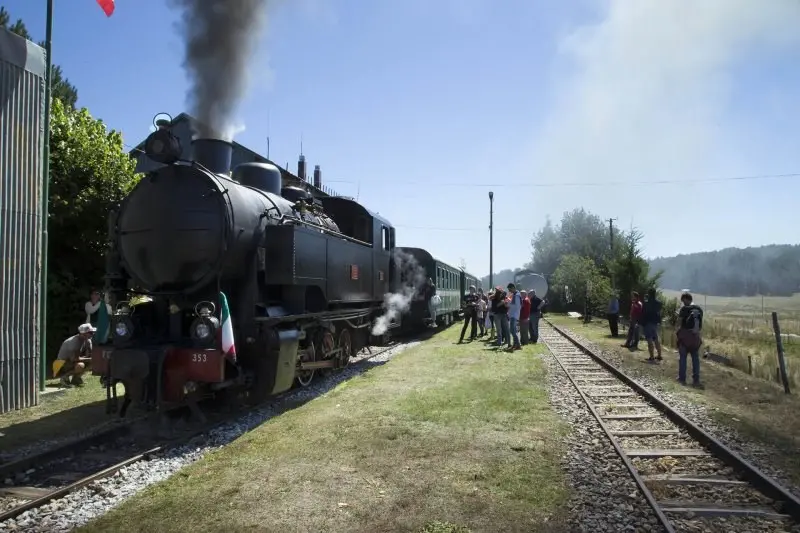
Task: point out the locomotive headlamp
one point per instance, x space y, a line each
123 329
204 327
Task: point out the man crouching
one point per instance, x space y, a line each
73 355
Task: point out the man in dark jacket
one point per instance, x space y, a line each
651 320
500 310
536 313
470 314
690 323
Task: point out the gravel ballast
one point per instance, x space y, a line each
94 500
757 453
604 495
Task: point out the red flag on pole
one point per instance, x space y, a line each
107 6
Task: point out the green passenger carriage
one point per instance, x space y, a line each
451 282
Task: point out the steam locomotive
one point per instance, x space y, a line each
303 279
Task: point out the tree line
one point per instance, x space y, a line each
90 174
772 270
585 263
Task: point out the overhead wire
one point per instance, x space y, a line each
754 177
434 183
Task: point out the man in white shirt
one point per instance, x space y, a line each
73 355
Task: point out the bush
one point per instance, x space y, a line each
90 173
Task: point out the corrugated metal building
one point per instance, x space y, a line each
22 84
181 127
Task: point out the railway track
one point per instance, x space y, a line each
693 482
57 472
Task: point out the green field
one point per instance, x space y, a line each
746 308
741 328
441 434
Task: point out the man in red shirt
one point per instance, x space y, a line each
632 342
524 318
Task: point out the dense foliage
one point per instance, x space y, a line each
772 270
90 173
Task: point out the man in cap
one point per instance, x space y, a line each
73 355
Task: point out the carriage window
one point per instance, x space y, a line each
386 238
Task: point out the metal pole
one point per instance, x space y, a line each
48 46
491 240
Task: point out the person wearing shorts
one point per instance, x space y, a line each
73 355
651 320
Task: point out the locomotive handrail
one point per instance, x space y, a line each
326 230
343 314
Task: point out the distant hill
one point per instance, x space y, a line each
772 270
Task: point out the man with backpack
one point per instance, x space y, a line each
690 323
651 320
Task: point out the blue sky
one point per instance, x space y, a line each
422 107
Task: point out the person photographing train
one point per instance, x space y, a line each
470 314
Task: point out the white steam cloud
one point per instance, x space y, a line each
649 88
412 278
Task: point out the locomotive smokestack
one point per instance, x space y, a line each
301 167
214 154
317 177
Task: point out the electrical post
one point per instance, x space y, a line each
48 46
611 244
611 233
491 240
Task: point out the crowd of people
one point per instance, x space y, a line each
509 317
646 318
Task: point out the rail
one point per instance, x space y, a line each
586 370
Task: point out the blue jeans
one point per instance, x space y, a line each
533 326
502 329
683 352
514 335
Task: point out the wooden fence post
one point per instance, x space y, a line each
779 344
750 364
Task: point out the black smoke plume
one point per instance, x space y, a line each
220 37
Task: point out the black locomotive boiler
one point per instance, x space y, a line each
304 278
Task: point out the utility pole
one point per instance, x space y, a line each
491 240
611 243
48 46
611 232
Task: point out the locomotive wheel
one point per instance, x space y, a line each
346 344
326 345
305 377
